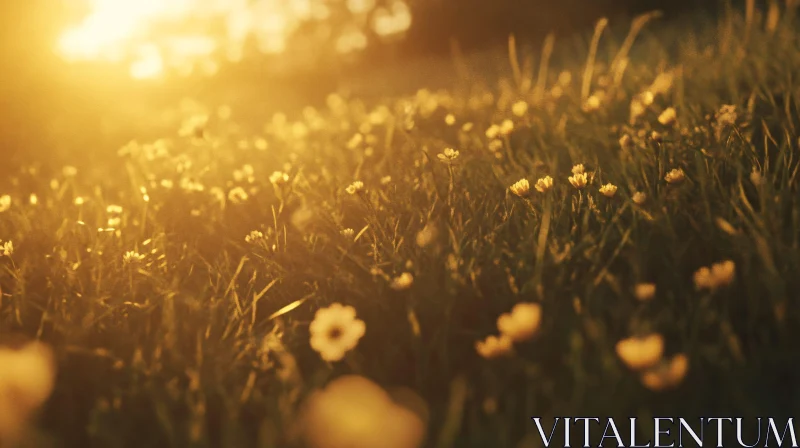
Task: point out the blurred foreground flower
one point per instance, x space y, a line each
641 352
645 291
522 323
27 377
639 198
335 331
494 346
667 117
5 203
354 412
717 275
667 374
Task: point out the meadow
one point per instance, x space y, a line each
615 235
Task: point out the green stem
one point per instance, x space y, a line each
541 244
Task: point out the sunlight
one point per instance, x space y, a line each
156 36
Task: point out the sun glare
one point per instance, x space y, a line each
156 36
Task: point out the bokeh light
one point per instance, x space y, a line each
156 37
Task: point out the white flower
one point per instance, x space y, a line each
34 199
522 323
521 188
578 169
132 257
386 180
450 119
608 190
466 127
7 248
639 198
579 180
279 178
5 202
69 171
726 116
448 155
114 209
403 281
675 176
355 187
494 346
348 233
592 103
493 132
335 331
544 184
626 142
254 237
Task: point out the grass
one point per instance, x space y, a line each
206 341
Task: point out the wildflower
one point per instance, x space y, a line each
626 142
520 108
386 180
5 202
544 184
26 381
167 184
522 323
7 248
645 291
639 198
355 187
34 199
667 374
716 276
608 190
448 155
450 119
278 178
466 127
352 411
726 116
641 352
521 188
494 346
402 282
637 109
114 222
348 233
493 131
578 180
675 176
335 331
114 210
132 257
578 169
506 127
237 195
668 116
564 78
254 237
755 177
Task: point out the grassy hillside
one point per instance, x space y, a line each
178 283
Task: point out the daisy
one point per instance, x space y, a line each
132 257
335 331
355 187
